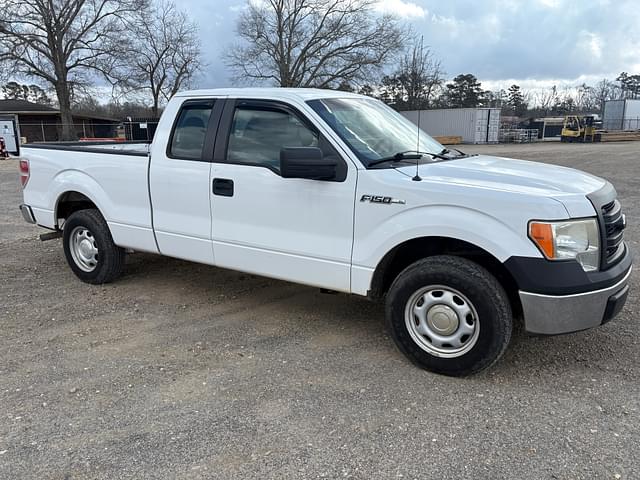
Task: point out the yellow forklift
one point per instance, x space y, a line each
579 128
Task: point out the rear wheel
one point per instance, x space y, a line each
89 248
449 315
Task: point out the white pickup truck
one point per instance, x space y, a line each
338 191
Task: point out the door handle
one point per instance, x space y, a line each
222 187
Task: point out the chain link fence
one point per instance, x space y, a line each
141 130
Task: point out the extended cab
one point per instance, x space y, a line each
338 191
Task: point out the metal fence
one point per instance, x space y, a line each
135 130
621 123
518 135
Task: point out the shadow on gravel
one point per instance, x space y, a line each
528 357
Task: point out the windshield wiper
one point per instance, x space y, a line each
407 155
460 152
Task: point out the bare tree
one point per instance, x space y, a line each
313 43
63 42
166 55
420 74
586 98
605 90
546 99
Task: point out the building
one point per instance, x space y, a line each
41 123
474 125
622 114
548 127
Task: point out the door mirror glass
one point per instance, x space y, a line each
307 162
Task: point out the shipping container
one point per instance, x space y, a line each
621 114
474 125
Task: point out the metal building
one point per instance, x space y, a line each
474 125
621 114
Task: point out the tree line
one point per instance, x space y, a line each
147 50
465 91
69 46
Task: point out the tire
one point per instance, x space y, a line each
89 248
449 315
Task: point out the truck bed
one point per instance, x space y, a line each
113 175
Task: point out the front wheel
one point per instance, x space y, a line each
449 315
89 248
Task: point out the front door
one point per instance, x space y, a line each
293 229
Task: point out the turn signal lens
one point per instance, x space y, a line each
542 235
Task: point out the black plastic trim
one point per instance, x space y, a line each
222 187
615 304
598 199
539 275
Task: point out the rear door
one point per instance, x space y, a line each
179 180
294 229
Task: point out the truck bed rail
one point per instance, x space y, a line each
140 149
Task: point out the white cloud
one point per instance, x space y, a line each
594 43
538 42
550 3
401 8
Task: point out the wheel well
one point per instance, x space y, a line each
70 202
403 255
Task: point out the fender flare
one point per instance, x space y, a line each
80 182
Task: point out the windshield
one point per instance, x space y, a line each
372 130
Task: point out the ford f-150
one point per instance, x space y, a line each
338 191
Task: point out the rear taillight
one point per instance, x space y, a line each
24 172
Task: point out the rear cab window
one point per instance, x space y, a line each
190 129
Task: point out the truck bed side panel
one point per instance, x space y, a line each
116 183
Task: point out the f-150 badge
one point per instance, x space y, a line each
381 199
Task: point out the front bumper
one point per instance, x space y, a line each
554 314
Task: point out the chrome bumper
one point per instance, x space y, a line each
552 315
27 213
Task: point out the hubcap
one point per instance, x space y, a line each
84 249
442 321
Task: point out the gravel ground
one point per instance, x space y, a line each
185 371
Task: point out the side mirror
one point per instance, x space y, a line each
306 162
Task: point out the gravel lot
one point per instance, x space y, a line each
185 371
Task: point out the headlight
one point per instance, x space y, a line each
578 239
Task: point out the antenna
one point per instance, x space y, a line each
417 176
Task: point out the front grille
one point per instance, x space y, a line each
614 224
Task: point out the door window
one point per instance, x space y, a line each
257 135
189 132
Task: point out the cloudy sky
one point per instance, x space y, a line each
534 43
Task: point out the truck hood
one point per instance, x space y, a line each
567 185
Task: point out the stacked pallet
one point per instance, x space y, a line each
620 136
449 140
